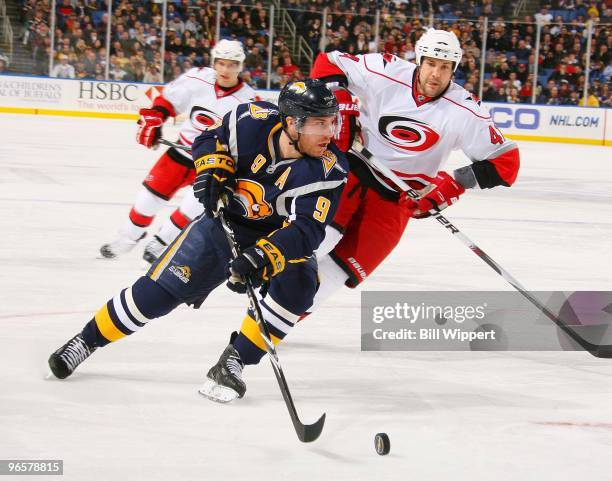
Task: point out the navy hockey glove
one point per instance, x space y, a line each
257 263
214 174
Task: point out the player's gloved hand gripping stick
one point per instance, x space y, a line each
305 432
597 350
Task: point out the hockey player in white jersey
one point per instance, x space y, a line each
412 117
205 95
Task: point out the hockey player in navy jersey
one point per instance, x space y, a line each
285 179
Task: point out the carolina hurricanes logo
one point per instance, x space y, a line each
251 195
204 119
407 134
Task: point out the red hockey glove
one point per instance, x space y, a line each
349 112
445 192
149 127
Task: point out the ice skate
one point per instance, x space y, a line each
224 380
118 247
65 360
154 248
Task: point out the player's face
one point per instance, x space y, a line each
227 72
434 76
316 133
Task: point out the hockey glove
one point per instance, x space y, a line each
349 114
214 174
445 192
150 127
258 263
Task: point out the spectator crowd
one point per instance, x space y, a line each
349 25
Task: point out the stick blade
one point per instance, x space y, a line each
308 433
604 352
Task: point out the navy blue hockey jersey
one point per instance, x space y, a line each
271 191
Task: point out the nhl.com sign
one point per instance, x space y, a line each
552 123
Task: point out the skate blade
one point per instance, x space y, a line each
220 394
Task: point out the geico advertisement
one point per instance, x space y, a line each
572 122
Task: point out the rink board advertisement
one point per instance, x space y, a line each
553 124
482 321
82 98
122 100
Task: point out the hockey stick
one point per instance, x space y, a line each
176 145
305 432
597 350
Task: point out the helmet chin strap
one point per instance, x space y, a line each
292 141
296 143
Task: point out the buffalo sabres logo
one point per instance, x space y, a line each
329 161
251 196
182 272
298 87
204 119
407 134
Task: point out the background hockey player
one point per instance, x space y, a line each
286 179
412 117
205 95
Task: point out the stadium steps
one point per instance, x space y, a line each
22 61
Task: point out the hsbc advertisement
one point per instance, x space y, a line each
74 97
122 100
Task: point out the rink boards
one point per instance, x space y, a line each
122 100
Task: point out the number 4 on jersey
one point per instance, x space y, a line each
496 135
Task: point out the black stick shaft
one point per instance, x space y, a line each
305 432
597 350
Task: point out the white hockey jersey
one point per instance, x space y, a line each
411 134
196 94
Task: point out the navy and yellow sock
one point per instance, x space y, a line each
128 312
250 343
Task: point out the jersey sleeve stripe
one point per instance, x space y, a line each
304 190
233 138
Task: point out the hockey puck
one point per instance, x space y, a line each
382 444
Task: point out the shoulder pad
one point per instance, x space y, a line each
468 100
258 110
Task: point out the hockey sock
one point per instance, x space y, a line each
173 227
143 212
279 321
249 343
129 311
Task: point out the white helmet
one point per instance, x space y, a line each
228 50
439 44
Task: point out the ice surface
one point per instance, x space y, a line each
132 411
